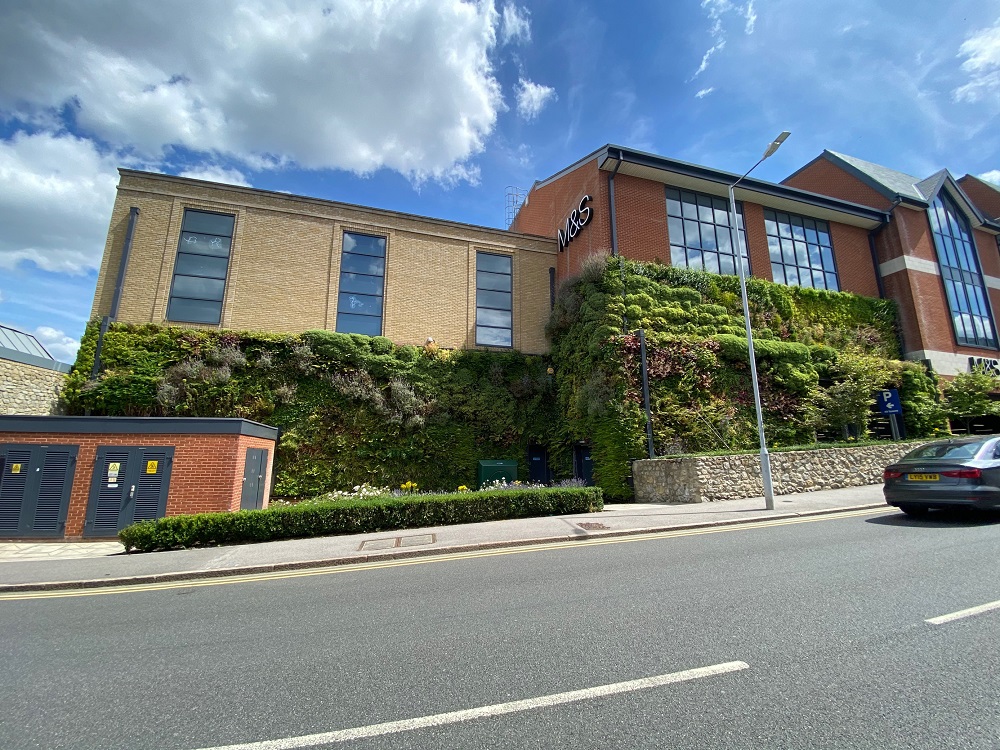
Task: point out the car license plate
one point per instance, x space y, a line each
923 477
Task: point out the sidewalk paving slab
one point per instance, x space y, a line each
59 571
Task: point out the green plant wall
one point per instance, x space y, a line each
351 409
808 344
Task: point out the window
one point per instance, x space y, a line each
801 251
700 237
362 281
200 270
963 281
494 303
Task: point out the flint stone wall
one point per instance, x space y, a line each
29 390
707 479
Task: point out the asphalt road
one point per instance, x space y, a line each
820 625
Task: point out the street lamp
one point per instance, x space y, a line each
765 459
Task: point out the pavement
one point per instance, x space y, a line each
35 566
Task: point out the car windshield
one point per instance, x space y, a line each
948 450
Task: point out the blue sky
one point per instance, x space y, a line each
435 106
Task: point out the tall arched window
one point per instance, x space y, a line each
963 281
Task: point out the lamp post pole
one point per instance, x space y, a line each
765 458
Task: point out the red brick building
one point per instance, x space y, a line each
839 223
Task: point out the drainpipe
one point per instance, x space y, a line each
611 206
106 321
614 232
878 273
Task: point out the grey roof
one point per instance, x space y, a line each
887 181
19 341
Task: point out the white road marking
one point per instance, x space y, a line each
970 612
498 709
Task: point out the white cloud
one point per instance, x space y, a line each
62 347
750 13
359 86
702 93
56 194
515 25
993 176
717 11
214 173
532 98
982 62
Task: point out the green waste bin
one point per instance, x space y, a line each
492 470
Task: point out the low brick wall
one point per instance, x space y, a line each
27 389
707 479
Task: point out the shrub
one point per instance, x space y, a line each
357 516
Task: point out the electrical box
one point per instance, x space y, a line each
492 470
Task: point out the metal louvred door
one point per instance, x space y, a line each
108 493
253 479
153 473
14 473
129 484
35 484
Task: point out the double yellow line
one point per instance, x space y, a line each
359 567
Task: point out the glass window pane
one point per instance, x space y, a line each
364 244
496 281
779 274
705 211
690 205
801 254
675 230
792 275
493 318
360 284
678 256
673 202
359 304
727 264
784 225
788 252
208 223
204 244
194 311
493 263
692 237
725 240
201 265
367 325
694 259
831 282
712 262
818 281
708 237
770 225
827 254
196 287
493 336
774 249
797 231
815 259
365 264
496 300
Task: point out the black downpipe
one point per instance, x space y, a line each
611 207
133 214
878 273
106 321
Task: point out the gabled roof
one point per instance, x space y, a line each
900 187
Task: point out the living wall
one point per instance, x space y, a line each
351 409
820 357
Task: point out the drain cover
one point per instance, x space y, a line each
593 526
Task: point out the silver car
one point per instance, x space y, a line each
960 472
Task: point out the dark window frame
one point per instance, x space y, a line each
963 276
697 219
338 326
798 242
189 250
509 291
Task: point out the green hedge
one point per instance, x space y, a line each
355 517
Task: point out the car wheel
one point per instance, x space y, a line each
914 511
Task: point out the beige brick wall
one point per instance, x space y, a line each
285 263
29 390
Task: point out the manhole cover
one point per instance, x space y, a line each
378 544
593 526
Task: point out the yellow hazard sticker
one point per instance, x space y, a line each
15 468
151 466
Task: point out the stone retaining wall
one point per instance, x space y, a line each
706 479
29 390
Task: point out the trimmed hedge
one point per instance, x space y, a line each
355 517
